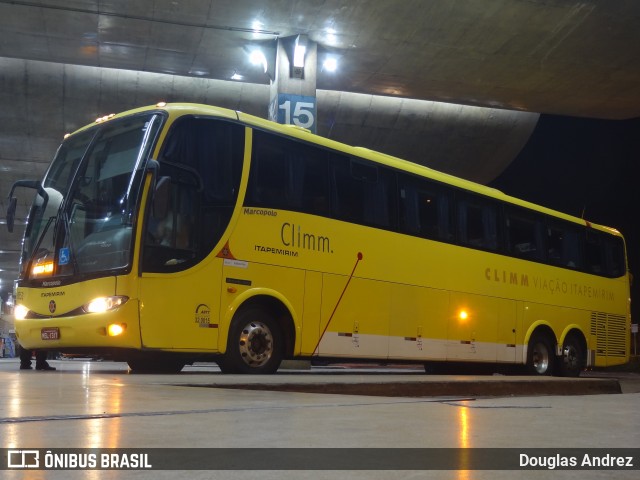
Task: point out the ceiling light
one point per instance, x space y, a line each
330 64
298 56
331 36
256 57
299 51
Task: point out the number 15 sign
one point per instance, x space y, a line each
297 110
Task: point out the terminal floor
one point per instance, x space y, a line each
100 405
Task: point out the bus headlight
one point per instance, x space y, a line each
20 312
104 304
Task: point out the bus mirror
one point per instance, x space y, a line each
13 201
161 197
11 213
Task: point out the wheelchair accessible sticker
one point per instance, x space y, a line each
63 256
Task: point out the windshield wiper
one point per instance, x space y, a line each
72 250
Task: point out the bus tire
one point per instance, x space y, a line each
540 355
255 343
572 361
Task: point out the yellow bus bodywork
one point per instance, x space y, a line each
350 291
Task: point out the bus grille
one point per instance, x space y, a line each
610 331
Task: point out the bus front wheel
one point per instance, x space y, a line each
540 355
255 343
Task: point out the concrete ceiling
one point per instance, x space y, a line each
457 85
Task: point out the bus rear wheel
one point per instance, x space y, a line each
573 357
255 343
540 355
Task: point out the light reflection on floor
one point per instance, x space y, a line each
463 441
101 406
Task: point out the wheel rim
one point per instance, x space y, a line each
540 358
256 344
571 357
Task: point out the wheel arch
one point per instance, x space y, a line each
573 329
273 302
539 327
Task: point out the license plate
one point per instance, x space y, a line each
50 333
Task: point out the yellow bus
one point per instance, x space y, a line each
183 232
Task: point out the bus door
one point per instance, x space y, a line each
195 192
179 292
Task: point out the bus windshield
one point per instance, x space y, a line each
83 225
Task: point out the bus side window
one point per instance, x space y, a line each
362 192
595 257
176 227
202 161
271 176
310 170
604 254
424 209
563 245
288 174
307 186
477 223
524 235
614 250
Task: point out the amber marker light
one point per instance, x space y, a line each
463 315
44 268
116 329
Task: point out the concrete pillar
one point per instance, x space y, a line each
293 90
